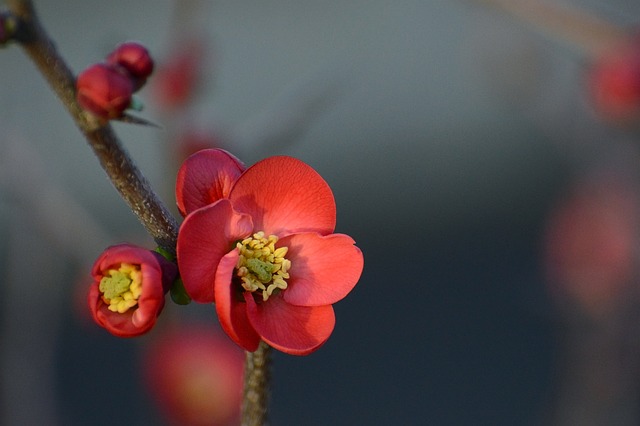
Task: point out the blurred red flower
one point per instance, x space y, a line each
591 243
263 249
129 284
180 75
195 376
614 83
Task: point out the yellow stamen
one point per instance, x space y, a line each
121 287
262 266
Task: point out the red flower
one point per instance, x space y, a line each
134 58
105 90
195 376
266 253
129 284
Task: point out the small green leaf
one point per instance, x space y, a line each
178 293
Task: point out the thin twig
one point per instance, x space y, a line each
588 32
124 174
256 386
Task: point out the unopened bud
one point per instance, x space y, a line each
105 90
134 58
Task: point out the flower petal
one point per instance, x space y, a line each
205 236
205 177
285 195
120 325
296 330
324 269
232 313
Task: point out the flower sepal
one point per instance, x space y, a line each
178 293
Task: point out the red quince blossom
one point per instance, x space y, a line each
105 90
129 284
134 58
263 249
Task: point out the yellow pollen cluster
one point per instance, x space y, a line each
261 265
121 287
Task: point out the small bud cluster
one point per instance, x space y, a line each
106 89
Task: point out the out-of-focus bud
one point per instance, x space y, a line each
191 141
194 374
8 26
180 75
614 84
134 58
591 245
104 90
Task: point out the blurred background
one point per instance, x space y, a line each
485 160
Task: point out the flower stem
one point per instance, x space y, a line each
256 386
124 174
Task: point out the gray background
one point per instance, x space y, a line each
446 132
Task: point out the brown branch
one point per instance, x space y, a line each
595 36
130 183
124 174
256 386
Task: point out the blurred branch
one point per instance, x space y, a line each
594 36
124 174
49 208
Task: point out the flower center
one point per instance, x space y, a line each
121 287
262 266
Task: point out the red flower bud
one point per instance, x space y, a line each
129 284
134 58
105 90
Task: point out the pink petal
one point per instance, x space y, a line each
205 177
205 236
285 195
232 313
324 269
296 330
